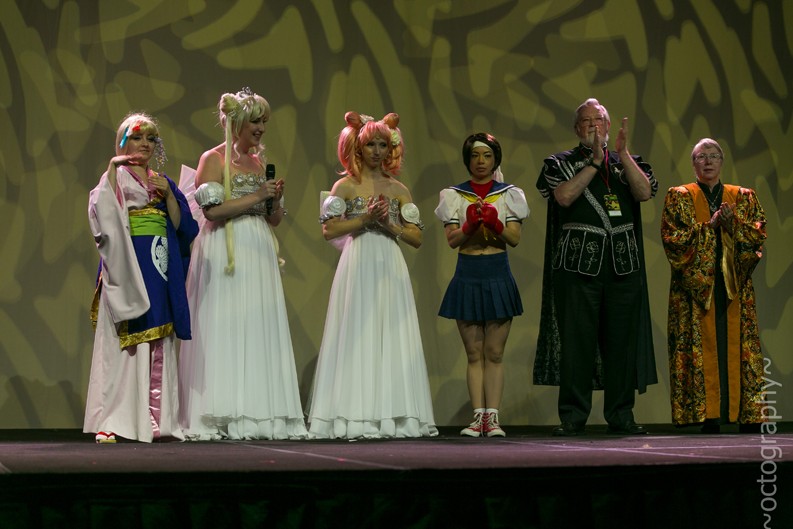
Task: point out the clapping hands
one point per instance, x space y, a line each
621 145
377 210
724 217
473 218
482 213
490 218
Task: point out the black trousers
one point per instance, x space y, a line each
721 302
594 311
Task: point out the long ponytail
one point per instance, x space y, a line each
227 192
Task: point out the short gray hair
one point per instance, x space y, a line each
706 142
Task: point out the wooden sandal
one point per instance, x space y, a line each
105 437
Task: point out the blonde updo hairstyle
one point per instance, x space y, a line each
360 130
234 110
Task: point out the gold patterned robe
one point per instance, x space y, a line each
690 246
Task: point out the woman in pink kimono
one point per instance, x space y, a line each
143 229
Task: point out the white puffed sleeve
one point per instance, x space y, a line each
517 208
332 207
410 212
209 194
448 209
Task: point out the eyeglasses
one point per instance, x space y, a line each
713 157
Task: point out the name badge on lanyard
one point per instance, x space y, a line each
612 205
610 199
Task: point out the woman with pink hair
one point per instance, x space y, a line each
371 380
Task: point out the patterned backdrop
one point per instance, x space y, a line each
69 71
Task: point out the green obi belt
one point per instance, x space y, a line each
147 221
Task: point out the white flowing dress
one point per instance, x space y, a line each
237 375
371 379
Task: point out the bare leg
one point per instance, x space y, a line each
484 345
496 334
473 335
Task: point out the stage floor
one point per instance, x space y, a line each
70 451
671 477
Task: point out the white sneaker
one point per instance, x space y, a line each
491 427
475 428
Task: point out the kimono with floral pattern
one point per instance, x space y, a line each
690 246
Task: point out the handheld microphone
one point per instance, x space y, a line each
269 174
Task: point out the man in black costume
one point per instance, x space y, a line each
595 330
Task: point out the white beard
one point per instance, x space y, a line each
589 140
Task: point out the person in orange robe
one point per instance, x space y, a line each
713 236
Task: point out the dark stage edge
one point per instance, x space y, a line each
672 478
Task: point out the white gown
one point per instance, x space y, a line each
371 379
237 375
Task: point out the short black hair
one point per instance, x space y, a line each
487 139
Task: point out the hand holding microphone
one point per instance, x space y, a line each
269 174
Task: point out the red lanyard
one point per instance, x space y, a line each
605 170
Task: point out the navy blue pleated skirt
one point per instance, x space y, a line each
482 289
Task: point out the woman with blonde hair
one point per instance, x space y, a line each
237 377
143 229
371 380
